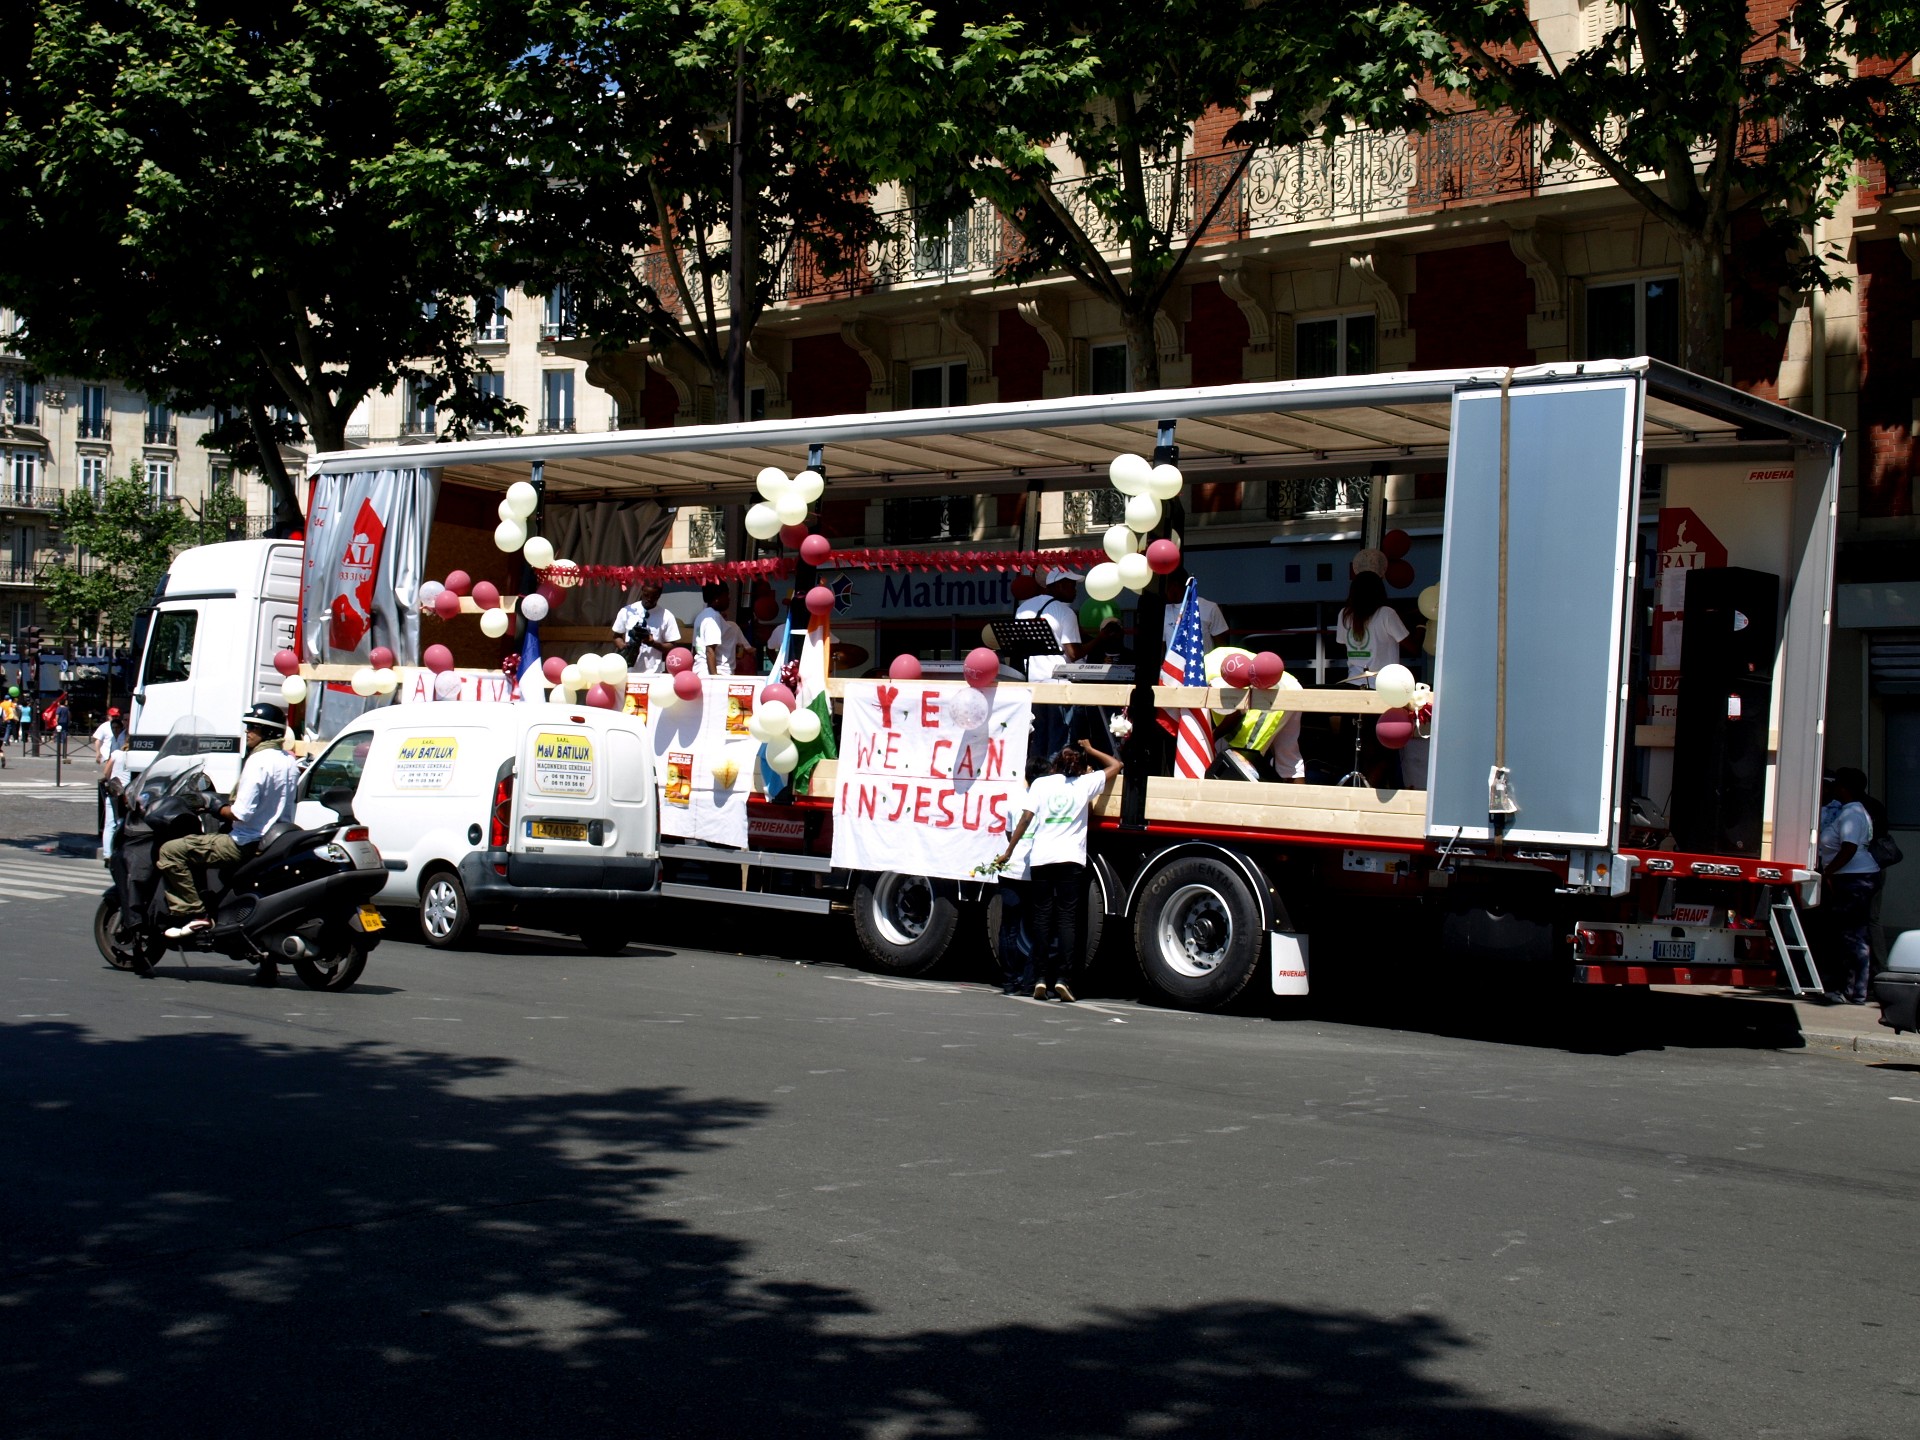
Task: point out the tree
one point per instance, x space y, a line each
235 205
123 543
964 100
1708 113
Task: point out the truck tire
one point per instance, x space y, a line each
1198 933
446 919
1093 925
905 923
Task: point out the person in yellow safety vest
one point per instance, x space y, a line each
1275 733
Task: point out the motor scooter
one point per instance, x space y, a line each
303 897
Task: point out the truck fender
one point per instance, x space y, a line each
1272 916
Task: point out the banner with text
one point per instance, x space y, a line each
930 776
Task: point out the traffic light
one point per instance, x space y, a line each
30 643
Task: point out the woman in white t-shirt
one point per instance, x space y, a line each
1369 628
1056 808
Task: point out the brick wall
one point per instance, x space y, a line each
1216 335
1889 380
1019 359
828 378
659 404
1470 307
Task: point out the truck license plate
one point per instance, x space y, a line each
556 830
1673 949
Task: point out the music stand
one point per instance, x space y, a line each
1021 638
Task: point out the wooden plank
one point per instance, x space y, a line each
1335 700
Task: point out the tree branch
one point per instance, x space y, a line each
1193 237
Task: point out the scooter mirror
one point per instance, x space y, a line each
340 801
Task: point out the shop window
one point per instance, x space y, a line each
1107 370
1334 345
1634 317
1902 785
933 387
925 518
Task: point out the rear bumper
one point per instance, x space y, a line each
1898 992
579 883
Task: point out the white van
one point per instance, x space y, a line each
219 616
531 813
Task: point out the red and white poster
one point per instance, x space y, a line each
930 776
1686 545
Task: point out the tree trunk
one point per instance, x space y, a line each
1143 351
273 469
1703 298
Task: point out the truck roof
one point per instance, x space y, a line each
1320 426
217 571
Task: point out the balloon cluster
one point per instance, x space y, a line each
783 726
1412 704
1131 563
1395 545
596 680
784 501
1252 672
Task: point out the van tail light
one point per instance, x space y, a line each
502 817
357 832
1594 943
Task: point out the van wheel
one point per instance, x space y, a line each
1198 933
1093 925
445 917
606 939
905 923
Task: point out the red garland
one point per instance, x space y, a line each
782 566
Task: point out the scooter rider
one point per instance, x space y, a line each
265 795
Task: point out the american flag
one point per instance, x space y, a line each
1186 664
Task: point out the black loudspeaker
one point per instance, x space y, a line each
1727 642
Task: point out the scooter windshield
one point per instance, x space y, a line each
180 763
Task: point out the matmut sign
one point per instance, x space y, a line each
920 791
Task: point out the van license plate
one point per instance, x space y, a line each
556 830
370 920
1673 949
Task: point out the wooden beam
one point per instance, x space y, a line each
1335 700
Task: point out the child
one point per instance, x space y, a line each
1057 807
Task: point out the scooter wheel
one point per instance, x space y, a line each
332 972
120 947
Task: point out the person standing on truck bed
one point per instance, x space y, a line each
710 653
1057 805
1213 624
647 630
1848 877
1370 629
1052 724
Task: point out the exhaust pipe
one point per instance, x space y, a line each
294 948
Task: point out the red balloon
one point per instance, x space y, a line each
679 660
437 658
381 658
777 691
1393 729
820 600
550 592
601 697
816 549
765 608
1023 586
1395 544
1237 671
486 594
904 667
982 667
1399 574
459 582
793 536
686 685
1163 557
1267 669
446 604
288 663
553 667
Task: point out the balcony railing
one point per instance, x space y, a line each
30 497
557 427
100 429
167 435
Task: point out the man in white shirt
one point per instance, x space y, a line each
710 653
652 625
1054 604
109 737
733 640
1213 625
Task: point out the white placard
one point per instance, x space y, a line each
563 762
919 795
425 762
713 811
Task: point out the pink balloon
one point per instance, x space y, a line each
983 667
486 594
380 657
438 659
601 697
1237 671
686 685
679 659
288 663
777 691
904 667
1393 729
1395 544
446 604
459 582
1267 669
553 667
820 600
816 549
550 592
1163 557
793 536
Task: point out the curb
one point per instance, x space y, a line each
1906 1047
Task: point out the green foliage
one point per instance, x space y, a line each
124 542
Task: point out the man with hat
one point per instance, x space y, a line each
111 736
266 795
1054 604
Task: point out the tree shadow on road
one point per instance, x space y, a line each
209 1235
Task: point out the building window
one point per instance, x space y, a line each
493 318
1107 369
1333 345
556 401
93 412
756 405
160 427
93 475
926 518
1634 317
422 415
24 470
20 401
220 479
1902 790
492 390
706 535
160 479
934 387
556 320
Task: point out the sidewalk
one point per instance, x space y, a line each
78 769
1854 1029
37 814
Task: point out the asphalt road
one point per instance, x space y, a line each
525 1192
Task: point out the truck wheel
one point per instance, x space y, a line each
1093 925
445 917
606 939
904 922
1198 933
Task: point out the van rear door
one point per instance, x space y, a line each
567 830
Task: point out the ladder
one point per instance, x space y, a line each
1790 940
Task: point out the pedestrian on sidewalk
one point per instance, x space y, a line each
62 721
1849 875
108 740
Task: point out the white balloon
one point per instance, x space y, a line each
1119 542
1103 581
385 682
1394 684
571 678
757 728
537 552
968 708
613 670
791 508
1135 573
772 482
763 521
363 682
1143 513
564 573
522 499
293 689
1429 602
533 607
505 512
1130 473
774 717
811 484
1164 482
430 592
988 638
593 668
446 685
804 726
509 535
493 623
783 757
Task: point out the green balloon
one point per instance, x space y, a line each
13 692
